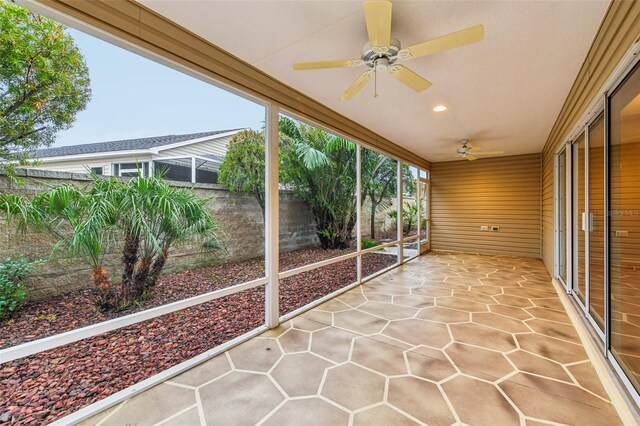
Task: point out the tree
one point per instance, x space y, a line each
44 82
321 169
243 167
379 177
87 222
379 182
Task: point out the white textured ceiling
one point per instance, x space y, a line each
503 93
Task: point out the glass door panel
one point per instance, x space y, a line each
596 221
579 218
624 237
424 212
562 216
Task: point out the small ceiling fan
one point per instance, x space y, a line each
382 51
471 153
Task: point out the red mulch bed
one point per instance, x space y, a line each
47 386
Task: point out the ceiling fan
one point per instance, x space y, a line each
471 153
381 52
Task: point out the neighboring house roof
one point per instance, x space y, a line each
125 145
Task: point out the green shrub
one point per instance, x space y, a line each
151 216
369 243
12 272
409 217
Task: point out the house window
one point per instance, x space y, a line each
131 169
181 170
206 171
178 169
97 170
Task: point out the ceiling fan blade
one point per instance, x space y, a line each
377 14
327 64
357 85
446 42
406 76
471 157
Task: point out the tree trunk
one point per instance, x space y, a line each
140 277
101 280
325 243
260 197
410 225
337 242
373 221
129 260
156 269
108 298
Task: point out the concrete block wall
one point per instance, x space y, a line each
238 215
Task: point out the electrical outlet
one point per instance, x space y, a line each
484 228
622 233
495 228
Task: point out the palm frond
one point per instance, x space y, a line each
311 157
289 128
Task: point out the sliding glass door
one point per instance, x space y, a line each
624 236
596 230
588 220
598 225
579 218
562 215
425 219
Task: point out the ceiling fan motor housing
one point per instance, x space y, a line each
463 150
381 61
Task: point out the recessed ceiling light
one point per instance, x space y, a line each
439 108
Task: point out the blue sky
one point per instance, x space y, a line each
135 97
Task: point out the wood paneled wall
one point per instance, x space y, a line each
620 28
504 192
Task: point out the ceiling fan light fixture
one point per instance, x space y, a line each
439 108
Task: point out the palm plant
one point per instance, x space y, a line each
159 217
87 222
379 178
409 217
82 222
321 169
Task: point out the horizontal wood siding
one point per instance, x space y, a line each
215 146
548 168
504 192
620 28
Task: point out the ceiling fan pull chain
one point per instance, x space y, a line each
375 82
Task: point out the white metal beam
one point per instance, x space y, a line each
359 211
62 339
271 232
399 216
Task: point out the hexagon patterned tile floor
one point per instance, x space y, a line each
445 339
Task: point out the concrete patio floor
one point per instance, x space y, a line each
444 339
